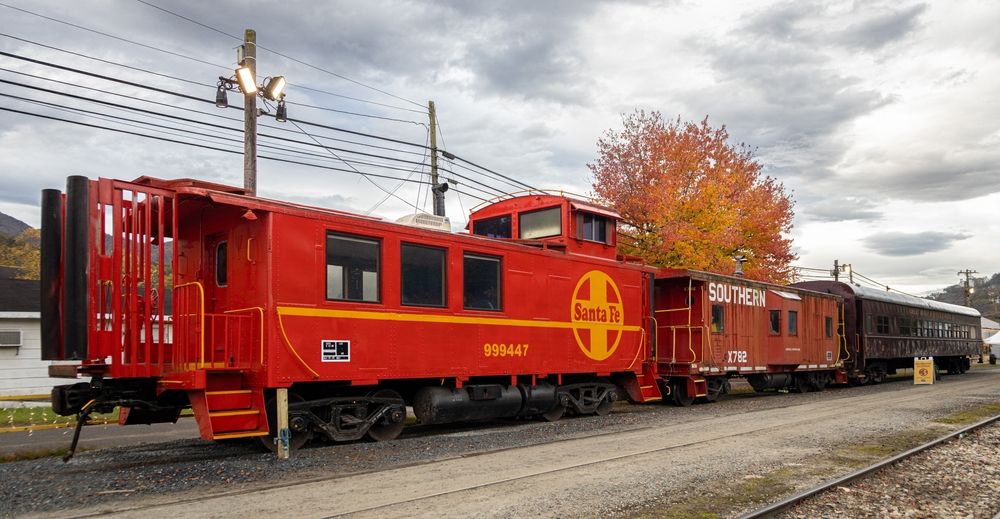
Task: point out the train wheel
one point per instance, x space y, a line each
298 438
553 414
680 393
801 383
392 423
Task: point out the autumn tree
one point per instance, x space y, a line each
22 253
689 199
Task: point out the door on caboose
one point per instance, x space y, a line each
216 268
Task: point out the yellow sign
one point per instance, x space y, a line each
923 370
596 315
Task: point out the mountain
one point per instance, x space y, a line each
985 297
11 227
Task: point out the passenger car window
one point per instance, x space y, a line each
422 275
481 282
352 268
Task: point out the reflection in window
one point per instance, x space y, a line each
540 224
481 280
775 322
352 268
718 318
496 227
592 227
422 275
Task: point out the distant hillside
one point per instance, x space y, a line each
985 298
11 227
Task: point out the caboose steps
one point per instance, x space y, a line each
224 414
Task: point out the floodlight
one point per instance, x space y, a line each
281 113
221 99
274 88
247 82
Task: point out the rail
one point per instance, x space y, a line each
787 503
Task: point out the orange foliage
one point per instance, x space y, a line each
690 200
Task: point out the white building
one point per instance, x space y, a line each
22 370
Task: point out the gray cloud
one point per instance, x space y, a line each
911 244
840 209
935 176
881 29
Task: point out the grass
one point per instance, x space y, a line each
724 497
31 416
972 415
34 455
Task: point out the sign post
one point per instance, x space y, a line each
923 370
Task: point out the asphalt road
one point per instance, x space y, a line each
96 436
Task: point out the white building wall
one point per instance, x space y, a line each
22 372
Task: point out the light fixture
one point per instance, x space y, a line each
274 88
221 99
281 113
247 82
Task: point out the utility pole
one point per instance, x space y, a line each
436 188
969 289
836 270
250 115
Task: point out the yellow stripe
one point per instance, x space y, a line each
240 412
229 392
298 311
233 436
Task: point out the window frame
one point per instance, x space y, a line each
828 326
499 281
774 328
224 282
882 325
510 226
378 267
717 325
793 323
605 223
444 274
520 228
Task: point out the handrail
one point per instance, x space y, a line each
261 311
201 319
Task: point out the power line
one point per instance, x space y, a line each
296 60
240 152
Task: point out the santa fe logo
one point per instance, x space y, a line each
596 315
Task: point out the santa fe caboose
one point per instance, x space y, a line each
530 314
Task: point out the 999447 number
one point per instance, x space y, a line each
505 350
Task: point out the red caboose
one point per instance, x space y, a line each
531 315
712 327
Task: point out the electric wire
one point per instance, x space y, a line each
300 121
214 148
296 60
401 184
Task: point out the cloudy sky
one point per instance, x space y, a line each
881 118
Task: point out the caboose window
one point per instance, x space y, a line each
718 318
793 322
775 322
592 227
882 324
482 283
423 274
352 268
829 327
496 227
221 269
540 224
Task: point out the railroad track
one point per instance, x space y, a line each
786 504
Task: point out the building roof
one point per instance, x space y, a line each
20 295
